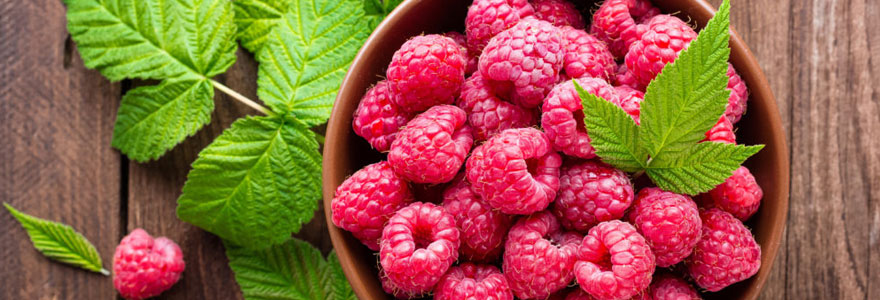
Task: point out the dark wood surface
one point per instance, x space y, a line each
821 57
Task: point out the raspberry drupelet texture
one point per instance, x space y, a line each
616 23
461 40
670 223
558 12
739 194
487 114
563 116
666 286
739 95
393 290
482 228
539 256
427 70
470 281
666 36
515 171
722 132
144 267
591 192
614 261
585 55
624 77
523 62
419 244
630 100
432 146
726 253
377 119
366 200
487 18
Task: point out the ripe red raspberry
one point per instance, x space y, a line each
558 12
670 287
515 171
661 43
722 132
739 194
563 117
616 23
144 267
482 228
726 254
670 223
472 282
419 243
523 62
461 40
427 70
377 118
366 200
586 56
614 261
591 192
432 146
630 100
538 256
487 114
392 289
739 95
624 77
486 18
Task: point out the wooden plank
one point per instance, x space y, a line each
56 120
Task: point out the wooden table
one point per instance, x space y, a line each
822 58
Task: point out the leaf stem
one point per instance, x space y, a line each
104 272
241 98
638 174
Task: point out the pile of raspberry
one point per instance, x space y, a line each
491 189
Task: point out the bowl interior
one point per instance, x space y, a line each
344 152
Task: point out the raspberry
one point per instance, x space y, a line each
586 56
722 132
486 18
523 62
515 171
427 70
630 100
616 23
614 261
487 114
419 243
591 192
739 95
740 194
144 267
624 77
461 40
670 287
726 254
377 118
366 200
472 282
432 146
558 12
392 289
665 37
670 223
563 117
482 228
538 256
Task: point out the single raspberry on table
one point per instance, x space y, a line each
558 12
427 70
538 256
563 116
666 36
722 132
483 228
515 171
726 253
585 55
591 192
624 77
144 267
630 100
377 119
616 23
470 281
739 194
487 18
666 286
432 146
523 62
365 201
670 223
461 40
614 261
739 95
487 114
419 244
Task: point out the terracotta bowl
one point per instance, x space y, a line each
345 153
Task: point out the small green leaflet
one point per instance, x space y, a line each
59 242
614 135
293 270
700 168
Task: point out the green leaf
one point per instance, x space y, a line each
689 95
613 133
59 242
255 19
306 56
256 183
699 168
153 39
153 119
376 10
292 270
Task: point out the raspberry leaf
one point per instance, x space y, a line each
59 242
700 168
613 133
255 19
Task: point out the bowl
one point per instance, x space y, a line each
345 152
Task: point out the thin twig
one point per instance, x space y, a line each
241 98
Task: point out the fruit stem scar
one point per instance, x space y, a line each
241 98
